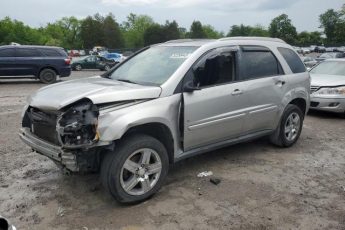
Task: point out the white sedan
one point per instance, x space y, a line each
328 86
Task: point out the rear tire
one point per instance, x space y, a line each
78 67
290 127
48 76
136 170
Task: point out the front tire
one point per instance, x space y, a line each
290 127
136 170
48 76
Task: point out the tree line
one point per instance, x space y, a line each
141 30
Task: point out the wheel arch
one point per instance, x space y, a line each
157 130
301 103
47 67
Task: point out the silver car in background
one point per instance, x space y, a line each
328 86
168 102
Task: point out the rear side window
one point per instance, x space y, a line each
258 62
50 52
7 53
26 52
294 62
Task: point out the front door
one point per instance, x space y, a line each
216 110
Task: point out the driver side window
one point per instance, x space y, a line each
214 69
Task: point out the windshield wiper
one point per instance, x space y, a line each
126 80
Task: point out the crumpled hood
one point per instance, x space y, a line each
327 80
97 89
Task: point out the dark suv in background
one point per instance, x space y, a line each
42 62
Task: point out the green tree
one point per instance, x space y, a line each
154 34
211 32
112 34
172 30
329 21
134 29
16 31
240 30
91 31
197 31
281 27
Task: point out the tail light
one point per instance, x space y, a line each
67 61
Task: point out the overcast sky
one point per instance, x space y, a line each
219 13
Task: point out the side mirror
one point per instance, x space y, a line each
189 87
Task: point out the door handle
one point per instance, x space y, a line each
280 82
236 92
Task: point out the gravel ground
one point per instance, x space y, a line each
262 187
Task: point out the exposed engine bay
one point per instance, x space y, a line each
77 125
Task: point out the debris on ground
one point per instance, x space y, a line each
205 174
215 181
60 211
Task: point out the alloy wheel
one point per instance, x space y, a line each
292 126
140 172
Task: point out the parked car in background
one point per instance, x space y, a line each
168 102
329 49
317 49
93 62
298 49
42 62
305 50
113 56
328 86
309 61
339 49
325 56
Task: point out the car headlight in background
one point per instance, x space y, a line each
331 91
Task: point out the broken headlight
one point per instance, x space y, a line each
77 126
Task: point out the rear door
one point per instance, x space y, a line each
28 61
7 62
265 87
90 62
216 111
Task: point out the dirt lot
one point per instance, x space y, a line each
262 187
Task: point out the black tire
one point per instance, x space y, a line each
113 162
106 68
78 67
279 137
47 76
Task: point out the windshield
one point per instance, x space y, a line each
153 66
330 67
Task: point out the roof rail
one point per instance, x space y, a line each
252 38
187 40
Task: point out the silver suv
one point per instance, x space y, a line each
168 102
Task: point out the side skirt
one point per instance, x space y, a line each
222 144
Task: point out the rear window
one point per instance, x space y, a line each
27 52
292 59
257 62
50 52
7 52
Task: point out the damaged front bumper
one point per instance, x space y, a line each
54 152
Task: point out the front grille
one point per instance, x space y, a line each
313 89
44 125
314 104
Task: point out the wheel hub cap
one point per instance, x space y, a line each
140 172
292 126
